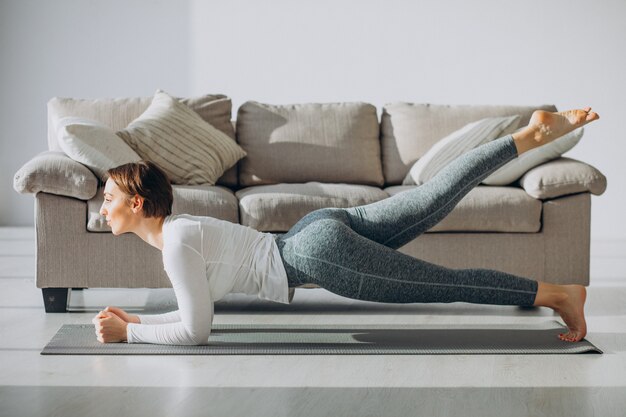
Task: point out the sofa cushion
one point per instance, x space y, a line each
117 113
93 144
198 200
55 173
331 143
409 130
563 176
276 208
174 137
489 209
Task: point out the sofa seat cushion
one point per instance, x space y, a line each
198 200
276 208
298 143
489 209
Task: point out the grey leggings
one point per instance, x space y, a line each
352 251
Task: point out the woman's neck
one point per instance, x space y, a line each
151 231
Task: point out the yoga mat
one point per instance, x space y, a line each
272 339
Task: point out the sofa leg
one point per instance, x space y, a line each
56 300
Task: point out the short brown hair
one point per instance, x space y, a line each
146 179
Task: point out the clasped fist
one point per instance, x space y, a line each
111 325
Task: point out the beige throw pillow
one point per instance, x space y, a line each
174 137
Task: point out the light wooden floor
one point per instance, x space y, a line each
402 385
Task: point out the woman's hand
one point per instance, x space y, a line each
110 328
128 318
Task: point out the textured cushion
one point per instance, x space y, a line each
93 144
187 148
198 200
333 143
563 176
55 173
514 169
276 208
119 112
456 144
410 130
489 209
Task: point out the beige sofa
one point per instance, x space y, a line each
301 158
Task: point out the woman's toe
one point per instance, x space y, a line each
592 116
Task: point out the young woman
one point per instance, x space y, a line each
348 251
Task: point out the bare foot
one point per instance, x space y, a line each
572 310
544 127
549 126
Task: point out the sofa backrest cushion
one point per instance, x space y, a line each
117 113
297 143
409 130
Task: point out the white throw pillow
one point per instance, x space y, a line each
514 169
93 144
188 149
456 144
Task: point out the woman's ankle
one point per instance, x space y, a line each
550 295
525 139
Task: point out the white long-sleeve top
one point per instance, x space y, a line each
206 258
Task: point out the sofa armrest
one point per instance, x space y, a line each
562 176
55 173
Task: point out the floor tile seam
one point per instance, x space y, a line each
471 385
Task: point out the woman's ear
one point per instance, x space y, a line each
136 203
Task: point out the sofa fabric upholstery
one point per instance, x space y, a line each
70 256
567 224
332 142
409 130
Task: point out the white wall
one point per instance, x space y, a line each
566 52
78 48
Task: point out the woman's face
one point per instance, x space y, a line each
117 209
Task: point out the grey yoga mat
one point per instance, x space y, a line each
271 339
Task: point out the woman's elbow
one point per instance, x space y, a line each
200 337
